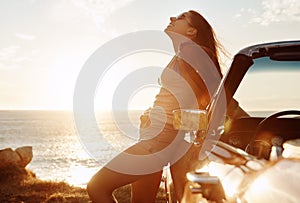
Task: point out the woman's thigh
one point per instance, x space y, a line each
144 190
135 163
106 181
144 157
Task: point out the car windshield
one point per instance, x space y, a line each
270 86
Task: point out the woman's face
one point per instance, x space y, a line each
180 24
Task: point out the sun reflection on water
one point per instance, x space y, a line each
80 175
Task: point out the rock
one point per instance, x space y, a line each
8 157
20 157
25 154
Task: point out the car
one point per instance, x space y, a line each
253 114
264 80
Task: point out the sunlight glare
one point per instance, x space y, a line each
143 98
124 67
259 185
80 175
229 176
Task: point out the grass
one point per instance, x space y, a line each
18 185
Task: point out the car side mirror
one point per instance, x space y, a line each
190 119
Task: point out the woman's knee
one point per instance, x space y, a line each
92 189
98 188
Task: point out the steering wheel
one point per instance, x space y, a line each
261 144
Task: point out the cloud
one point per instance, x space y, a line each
100 10
14 57
25 36
89 15
278 11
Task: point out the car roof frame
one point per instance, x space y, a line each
242 61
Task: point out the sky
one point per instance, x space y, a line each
45 43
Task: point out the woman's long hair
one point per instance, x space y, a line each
206 38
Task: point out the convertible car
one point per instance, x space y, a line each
264 80
254 113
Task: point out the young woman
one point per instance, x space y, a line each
187 82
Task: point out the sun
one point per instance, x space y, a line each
139 68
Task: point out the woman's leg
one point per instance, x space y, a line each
188 162
138 164
130 167
145 189
104 182
178 173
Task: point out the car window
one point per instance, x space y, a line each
270 86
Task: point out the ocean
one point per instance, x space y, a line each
59 153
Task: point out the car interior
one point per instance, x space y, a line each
269 97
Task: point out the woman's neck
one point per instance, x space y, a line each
178 39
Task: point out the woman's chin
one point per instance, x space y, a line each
168 31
